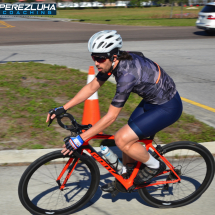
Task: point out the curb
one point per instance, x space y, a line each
28 156
54 19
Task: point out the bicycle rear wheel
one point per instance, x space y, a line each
40 194
195 166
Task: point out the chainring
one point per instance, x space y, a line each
119 186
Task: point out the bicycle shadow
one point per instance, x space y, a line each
106 178
135 195
121 196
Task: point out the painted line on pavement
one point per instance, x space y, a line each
198 104
6 25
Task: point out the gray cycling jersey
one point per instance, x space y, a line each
141 76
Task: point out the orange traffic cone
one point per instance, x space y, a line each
91 113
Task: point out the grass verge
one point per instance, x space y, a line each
146 16
29 90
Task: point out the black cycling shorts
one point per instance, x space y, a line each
147 119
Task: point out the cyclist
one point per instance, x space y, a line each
161 105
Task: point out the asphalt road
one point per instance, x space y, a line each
189 62
52 32
186 53
102 203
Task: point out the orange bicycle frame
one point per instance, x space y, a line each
127 183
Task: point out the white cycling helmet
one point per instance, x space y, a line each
104 42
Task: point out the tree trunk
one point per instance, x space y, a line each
182 5
171 11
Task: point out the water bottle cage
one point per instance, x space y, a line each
112 164
117 163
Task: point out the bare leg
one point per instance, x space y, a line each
126 140
126 159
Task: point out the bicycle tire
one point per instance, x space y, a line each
193 183
47 197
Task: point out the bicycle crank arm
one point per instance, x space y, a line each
114 193
132 188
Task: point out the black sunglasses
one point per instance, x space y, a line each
99 59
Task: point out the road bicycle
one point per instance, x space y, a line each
58 184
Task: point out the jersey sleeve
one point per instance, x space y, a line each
124 87
103 76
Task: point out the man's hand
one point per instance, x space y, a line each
55 112
71 144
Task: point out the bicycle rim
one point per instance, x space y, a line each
195 166
40 193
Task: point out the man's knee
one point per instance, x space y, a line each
120 140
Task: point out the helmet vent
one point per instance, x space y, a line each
109 37
109 45
104 41
104 45
100 44
99 37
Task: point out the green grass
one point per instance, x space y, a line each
146 16
29 90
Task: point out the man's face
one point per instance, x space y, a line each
103 64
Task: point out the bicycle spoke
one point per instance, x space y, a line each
44 174
42 182
184 158
48 195
189 164
50 198
194 165
192 170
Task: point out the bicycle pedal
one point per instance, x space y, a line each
131 189
114 193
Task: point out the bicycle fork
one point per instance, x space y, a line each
71 168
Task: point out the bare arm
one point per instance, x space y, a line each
103 123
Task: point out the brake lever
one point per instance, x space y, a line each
50 122
85 127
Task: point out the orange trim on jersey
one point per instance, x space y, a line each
159 73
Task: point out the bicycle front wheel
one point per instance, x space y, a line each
39 191
195 166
